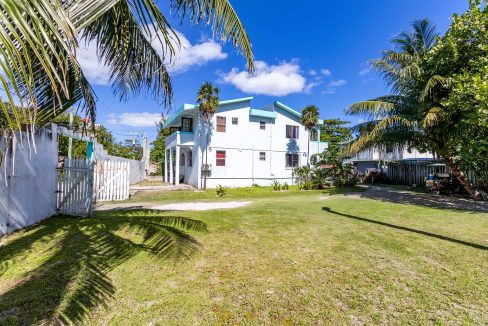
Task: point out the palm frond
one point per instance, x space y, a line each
224 20
433 83
433 117
395 124
371 109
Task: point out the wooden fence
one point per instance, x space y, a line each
75 188
410 173
111 180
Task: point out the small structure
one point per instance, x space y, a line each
376 157
246 145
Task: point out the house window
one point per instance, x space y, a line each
292 132
172 130
262 156
314 135
235 120
221 121
291 160
187 124
220 158
190 158
262 125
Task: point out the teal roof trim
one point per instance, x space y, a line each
237 100
262 113
288 109
183 108
186 107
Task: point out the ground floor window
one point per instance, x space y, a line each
291 160
262 156
220 158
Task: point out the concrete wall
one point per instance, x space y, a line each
28 180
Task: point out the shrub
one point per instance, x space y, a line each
276 185
284 186
221 191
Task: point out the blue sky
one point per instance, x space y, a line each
307 52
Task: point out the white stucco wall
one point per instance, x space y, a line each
28 181
243 143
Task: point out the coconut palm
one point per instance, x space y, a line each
310 119
413 114
41 76
208 103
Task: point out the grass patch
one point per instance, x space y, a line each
288 258
232 193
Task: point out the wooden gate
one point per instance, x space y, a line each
75 188
111 180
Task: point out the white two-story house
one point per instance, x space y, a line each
246 145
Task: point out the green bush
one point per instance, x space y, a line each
285 186
276 185
221 191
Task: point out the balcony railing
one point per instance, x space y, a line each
180 138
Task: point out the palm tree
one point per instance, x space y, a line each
310 119
413 114
208 103
41 77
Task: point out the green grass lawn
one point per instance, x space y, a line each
288 258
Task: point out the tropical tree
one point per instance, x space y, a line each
415 113
310 119
158 150
208 103
42 78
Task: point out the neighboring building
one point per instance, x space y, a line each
375 157
246 145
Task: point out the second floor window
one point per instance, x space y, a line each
262 125
220 158
291 160
314 135
187 124
262 156
235 120
292 132
221 122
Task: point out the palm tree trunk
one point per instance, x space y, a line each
463 180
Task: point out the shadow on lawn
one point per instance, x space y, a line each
73 280
403 228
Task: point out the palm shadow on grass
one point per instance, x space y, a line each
69 284
403 228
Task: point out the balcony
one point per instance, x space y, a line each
180 138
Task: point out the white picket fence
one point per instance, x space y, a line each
75 188
111 180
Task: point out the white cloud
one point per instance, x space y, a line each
135 119
325 72
94 70
187 54
312 72
333 85
273 80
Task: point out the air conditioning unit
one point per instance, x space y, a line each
206 167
